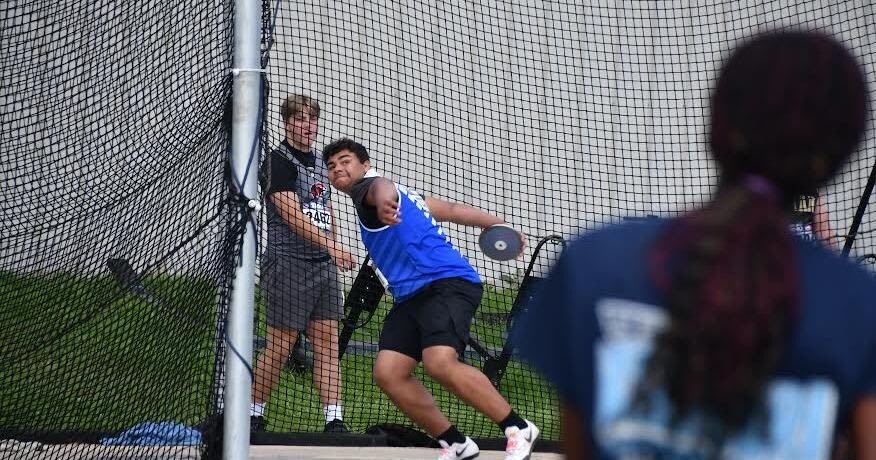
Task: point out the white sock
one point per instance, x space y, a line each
257 409
333 411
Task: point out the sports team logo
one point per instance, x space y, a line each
317 190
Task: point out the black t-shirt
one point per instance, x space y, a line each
289 172
367 214
283 172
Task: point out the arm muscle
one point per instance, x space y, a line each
462 214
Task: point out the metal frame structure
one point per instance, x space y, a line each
245 146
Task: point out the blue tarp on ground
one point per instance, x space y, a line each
156 434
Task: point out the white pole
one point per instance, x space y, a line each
245 146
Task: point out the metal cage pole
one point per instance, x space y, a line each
245 147
859 213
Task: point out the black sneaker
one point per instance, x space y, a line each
256 423
335 426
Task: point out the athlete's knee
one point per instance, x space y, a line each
385 376
323 335
323 331
388 373
325 346
440 366
280 341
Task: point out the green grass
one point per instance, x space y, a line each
294 405
78 353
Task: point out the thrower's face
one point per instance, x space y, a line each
301 130
345 169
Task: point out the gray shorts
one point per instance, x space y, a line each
298 291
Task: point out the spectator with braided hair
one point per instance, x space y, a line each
721 334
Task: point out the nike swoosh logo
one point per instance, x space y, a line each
529 436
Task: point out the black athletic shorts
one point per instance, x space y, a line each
439 314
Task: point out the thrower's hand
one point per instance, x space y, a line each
523 242
388 211
342 258
385 198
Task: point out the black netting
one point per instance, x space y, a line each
559 117
117 231
118 238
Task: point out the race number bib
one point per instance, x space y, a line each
318 214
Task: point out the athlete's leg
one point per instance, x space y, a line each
322 329
270 363
323 335
290 296
445 324
393 372
468 383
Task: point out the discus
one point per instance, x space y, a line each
500 242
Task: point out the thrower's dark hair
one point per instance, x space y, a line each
787 110
345 144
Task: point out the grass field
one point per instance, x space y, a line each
79 354
295 407
83 354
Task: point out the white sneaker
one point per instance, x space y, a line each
459 450
520 442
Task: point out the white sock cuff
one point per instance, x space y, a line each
332 412
257 409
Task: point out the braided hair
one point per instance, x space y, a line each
787 110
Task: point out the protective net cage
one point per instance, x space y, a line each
120 234
118 230
559 117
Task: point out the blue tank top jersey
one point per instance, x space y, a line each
416 251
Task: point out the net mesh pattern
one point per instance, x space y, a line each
120 233
556 116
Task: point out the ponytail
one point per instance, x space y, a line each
787 111
732 298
